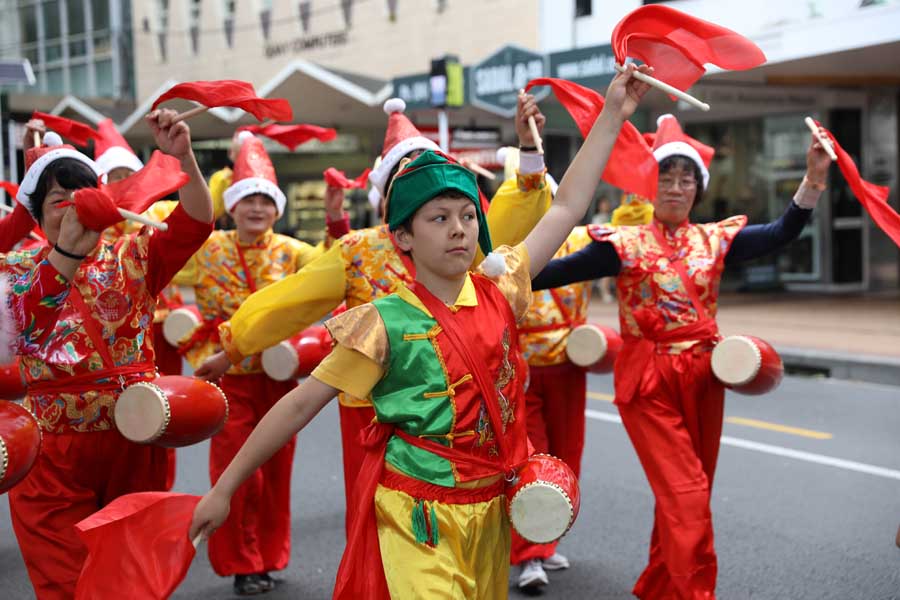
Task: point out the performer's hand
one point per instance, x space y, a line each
526 106
31 127
173 139
625 92
817 160
213 367
334 203
210 513
74 237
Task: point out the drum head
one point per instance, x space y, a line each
586 345
280 361
142 412
179 324
541 512
736 360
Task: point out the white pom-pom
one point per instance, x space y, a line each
51 138
502 151
243 136
494 265
394 105
662 118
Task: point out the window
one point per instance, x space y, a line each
78 79
440 5
77 27
161 26
347 11
582 8
103 71
194 25
305 9
265 17
100 14
391 6
228 10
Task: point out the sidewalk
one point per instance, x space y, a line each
848 337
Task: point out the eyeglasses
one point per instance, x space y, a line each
685 183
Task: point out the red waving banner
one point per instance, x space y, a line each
872 197
11 188
67 128
678 45
138 547
160 177
338 179
230 92
291 136
631 165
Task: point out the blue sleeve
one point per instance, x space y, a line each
597 259
754 241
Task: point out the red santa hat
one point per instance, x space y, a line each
670 140
253 174
111 151
400 139
39 158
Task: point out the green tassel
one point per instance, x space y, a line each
435 536
420 529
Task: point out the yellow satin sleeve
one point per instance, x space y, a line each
218 183
514 212
349 371
515 283
286 307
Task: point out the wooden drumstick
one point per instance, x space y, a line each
189 113
480 170
532 125
826 143
198 540
662 85
133 216
37 138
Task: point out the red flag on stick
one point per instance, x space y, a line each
338 179
11 188
291 136
872 197
230 92
138 547
67 128
631 165
678 45
160 177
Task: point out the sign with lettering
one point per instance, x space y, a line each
592 67
494 83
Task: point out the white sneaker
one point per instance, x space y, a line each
532 575
557 562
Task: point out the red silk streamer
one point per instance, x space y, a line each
291 136
230 92
67 128
160 177
138 547
872 197
678 45
631 165
11 188
338 179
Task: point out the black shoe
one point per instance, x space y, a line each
266 583
247 585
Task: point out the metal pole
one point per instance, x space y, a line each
443 131
13 165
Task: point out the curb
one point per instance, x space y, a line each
838 365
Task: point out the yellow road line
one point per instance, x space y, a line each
799 431
808 433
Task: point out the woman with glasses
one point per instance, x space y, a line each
667 277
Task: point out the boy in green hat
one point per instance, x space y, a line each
440 361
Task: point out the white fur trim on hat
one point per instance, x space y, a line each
254 185
29 182
378 176
51 138
662 118
682 149
394 105
117 157
374 198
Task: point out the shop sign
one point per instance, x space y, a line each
494 83
592 67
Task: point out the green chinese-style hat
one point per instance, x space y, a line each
428 176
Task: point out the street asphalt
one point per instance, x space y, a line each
806 503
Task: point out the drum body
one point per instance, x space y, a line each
12 385
747 365
20 443
594 347
544 501
180 323
297 356
171 411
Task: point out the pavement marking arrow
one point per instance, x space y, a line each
840 463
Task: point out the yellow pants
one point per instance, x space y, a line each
470 560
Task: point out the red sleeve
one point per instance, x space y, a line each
338 229
37 297
14 227
168 251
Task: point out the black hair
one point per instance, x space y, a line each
69 173
676 161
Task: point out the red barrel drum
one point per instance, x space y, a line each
171 411
20 443
747 365
12 385
297 356
544 501
594 347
